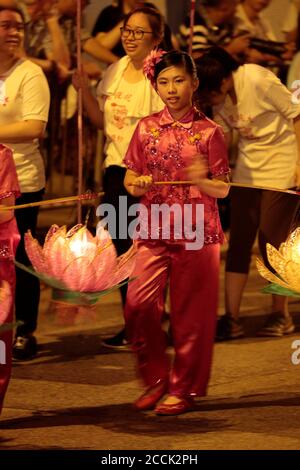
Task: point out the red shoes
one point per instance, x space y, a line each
184 405
153 394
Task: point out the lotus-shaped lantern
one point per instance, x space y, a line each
286 263
77 261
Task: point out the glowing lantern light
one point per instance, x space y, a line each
286 263
77 261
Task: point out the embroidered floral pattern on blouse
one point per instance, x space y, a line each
8 194
164 150
5 249
154 132
195 138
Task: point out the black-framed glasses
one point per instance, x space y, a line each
6 25
136 33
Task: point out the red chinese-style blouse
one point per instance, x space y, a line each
163 148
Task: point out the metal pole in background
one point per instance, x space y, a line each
79 119
192 23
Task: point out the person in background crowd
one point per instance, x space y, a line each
24 110
67 20
249 19
213 27
290 24
41 19
124 97
252 100
107 27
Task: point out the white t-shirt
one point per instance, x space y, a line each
290 22
261 28
263 118
123 104
24 95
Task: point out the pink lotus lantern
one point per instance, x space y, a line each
77 261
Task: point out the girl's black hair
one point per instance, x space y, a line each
212 67
176 59
211 3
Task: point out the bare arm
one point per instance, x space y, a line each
92 46
217 187
137 185
111 38
22 131
90 103
5 216
238 44
60 52
45 64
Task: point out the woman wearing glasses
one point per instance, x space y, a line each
107 29
109 22
124 96
24 106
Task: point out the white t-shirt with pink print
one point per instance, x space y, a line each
263 117
123 104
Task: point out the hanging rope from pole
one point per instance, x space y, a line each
79 118
192 24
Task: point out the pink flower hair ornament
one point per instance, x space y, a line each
151 60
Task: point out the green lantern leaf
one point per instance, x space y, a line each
62 294
279 290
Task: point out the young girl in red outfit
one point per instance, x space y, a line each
9 239
178 143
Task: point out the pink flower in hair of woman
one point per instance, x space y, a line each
151 60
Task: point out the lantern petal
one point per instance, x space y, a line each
52 253
78 275
290 249
53 229
59 255
35 253
293 275
105 264
268 275
276 260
